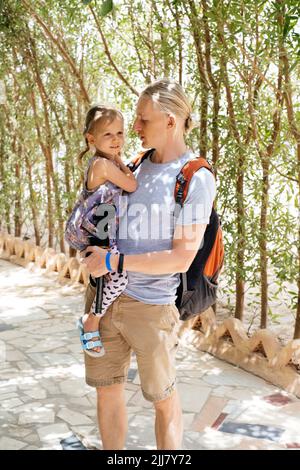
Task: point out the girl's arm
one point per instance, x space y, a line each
124 168
105 170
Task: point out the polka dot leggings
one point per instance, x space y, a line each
113 285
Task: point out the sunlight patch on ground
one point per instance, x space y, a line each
214 439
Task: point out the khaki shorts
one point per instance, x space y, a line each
150 331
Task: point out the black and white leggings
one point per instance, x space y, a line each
113 285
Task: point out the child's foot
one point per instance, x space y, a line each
91 323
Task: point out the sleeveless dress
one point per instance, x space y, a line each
82 225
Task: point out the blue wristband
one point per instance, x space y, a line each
107 261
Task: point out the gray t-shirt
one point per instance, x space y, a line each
147 222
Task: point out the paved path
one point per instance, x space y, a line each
45 403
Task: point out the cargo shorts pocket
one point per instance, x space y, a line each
170 322
171 315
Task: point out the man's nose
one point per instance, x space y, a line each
137 125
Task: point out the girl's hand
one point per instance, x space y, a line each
95 262
118 159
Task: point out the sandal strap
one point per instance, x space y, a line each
92 344
89 335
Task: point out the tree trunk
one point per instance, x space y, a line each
50 224
17 197
203 109
108 54
48 145
2 173
241 240
49 208
263 243
239 190
7 220
61 47
215 85
297 323
32 202
295 131
203 121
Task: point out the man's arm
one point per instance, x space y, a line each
186 242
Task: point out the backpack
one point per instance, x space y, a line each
81 228
198 286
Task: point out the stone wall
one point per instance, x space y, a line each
28 255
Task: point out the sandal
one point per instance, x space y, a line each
88 345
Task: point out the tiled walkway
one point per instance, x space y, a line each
45 403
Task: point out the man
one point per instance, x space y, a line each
144 318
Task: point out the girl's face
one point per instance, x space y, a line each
109 137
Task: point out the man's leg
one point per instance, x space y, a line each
168 422
112 416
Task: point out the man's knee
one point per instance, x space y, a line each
110 391
168 403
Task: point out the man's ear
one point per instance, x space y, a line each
171 122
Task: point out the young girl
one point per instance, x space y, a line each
105 178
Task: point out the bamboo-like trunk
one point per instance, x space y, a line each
163 38
32 202
17 189
263 244
7 220
18 206
50 222
297 323
108 53
2 179
215 129
203 122
17 186
202 68
47 146
72 252
49 208
295 131
215 85
240 253
177 17
240 210
61 46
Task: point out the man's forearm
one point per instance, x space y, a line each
157 262
177 260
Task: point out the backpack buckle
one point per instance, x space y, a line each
180 179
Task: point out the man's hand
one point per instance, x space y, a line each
95 262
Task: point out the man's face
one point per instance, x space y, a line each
150 123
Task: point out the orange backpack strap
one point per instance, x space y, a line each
136 161
183 179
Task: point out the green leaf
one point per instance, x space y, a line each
106 7
86 2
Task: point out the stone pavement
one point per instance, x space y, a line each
45 403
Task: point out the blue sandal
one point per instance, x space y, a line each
88 345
